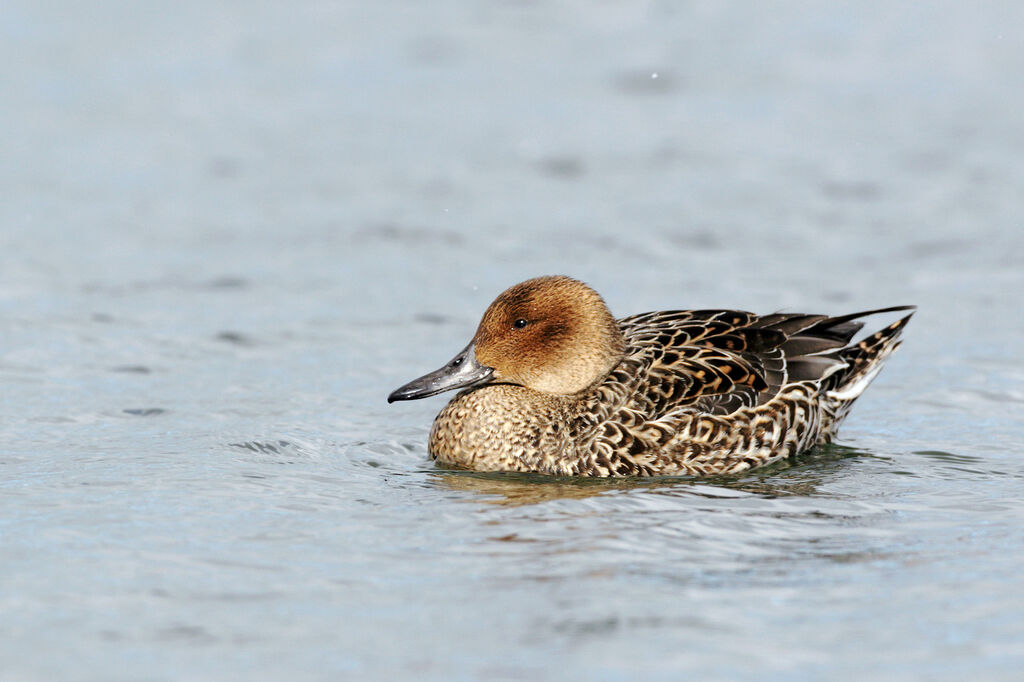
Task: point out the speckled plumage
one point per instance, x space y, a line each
693 392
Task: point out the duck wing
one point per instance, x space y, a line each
710 360
719 361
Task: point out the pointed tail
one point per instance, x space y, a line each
864 361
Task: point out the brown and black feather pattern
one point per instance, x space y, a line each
722 391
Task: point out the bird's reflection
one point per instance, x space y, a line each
796 477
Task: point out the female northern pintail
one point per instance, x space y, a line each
555 385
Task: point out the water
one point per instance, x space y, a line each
228 230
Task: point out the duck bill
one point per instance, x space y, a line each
463 370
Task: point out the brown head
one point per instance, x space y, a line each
552 334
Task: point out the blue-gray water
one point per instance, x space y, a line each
228 230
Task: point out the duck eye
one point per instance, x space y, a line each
520 323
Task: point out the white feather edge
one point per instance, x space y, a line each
851 391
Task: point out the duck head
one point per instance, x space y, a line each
551 334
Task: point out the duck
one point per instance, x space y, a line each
552 383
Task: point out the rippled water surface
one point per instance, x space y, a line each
228 230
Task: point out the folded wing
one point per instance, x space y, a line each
719 361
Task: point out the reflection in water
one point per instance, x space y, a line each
514 489
798 477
